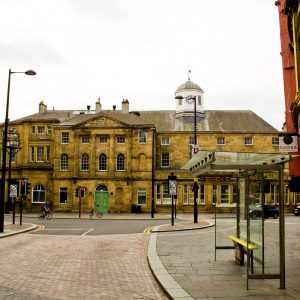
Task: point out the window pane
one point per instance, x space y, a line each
40 154
165 160
158 194
103 139
120 162
142 196
275 141
38 194
120 139
224 193
220 141
142 137
84 162
85 139
201 194
102 162
185 194
41 129
63 195
48 153
248 141
65 137
31 153
165 141
64 162
166 197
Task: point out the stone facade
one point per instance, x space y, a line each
128 156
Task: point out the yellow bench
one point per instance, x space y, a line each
242 247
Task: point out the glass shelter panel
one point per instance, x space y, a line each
255 229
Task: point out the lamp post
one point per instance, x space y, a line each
4 148
195 186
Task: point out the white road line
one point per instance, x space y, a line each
87 231
66 229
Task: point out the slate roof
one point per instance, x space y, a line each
214 120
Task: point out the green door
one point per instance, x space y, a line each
101 201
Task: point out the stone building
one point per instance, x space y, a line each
123 158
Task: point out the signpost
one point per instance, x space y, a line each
172 191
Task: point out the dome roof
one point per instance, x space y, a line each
189 85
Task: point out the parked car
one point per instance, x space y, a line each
296 210
269 211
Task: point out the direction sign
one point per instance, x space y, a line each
13 190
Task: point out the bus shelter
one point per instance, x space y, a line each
262 240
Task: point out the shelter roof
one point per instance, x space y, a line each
207 161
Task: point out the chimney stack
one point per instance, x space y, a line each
125 106
42 107
98 106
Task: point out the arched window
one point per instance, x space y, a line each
120 162
64 162
84 162
38 194
102 162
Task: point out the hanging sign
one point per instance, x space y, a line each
288 143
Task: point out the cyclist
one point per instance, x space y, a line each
45 209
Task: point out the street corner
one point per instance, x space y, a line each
184 226
13 229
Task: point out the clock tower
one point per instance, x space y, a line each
185 108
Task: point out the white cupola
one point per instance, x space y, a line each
186 105
186 113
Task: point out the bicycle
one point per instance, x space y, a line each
98 214
45 214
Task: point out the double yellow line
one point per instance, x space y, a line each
148 230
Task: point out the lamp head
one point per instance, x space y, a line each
30 72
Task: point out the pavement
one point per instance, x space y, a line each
182 259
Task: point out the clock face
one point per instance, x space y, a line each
189 101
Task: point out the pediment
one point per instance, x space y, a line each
103 122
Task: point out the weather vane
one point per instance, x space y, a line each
189 72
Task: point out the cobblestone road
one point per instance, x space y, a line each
76 267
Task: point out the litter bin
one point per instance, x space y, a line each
133 208
136 208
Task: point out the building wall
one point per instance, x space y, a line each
124 187
289 19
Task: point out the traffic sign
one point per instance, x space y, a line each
172 185
13 190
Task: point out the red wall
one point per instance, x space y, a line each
288 79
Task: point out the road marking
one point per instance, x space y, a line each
148 230
87 231
67 229
39 228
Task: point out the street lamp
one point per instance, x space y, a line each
195 187
4 148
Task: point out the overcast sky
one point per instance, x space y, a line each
140 50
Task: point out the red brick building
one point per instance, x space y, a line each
289 17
